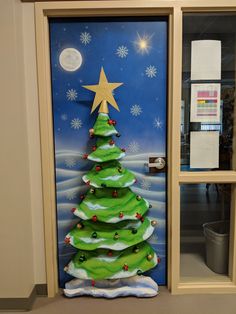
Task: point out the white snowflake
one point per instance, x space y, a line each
76 124
70 195
71 94
135 110
133 147
70 162
157 123
85 38
145 184
151 71
122 51
64 117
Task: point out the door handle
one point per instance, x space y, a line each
156 164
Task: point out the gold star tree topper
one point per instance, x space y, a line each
103 94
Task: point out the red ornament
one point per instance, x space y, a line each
121 214
111 142
82 196
158 259
114 194
93 283
98 168
123 149
114 122
67 240
88 183
138 216
94 218
110 253
110 122
73 210
94 148
85 156
126 267
142 219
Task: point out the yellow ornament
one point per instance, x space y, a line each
153 223
149 257
79 226
103 94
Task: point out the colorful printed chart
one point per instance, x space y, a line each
205 103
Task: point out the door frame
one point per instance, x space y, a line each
174 11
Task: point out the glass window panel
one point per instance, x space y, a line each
204 232
210 26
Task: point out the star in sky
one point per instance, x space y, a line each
143 43
103 94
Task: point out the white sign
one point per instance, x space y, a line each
206 60
205 103
204 149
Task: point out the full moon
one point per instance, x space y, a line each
70 59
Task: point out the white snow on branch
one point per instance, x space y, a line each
91 240
94 206
106 146
112 178
108 259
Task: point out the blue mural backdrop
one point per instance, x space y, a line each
132 51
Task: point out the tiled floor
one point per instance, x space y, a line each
164 303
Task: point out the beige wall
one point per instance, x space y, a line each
31 100
21 222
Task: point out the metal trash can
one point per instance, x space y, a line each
217 245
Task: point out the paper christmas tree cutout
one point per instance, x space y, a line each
111 235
